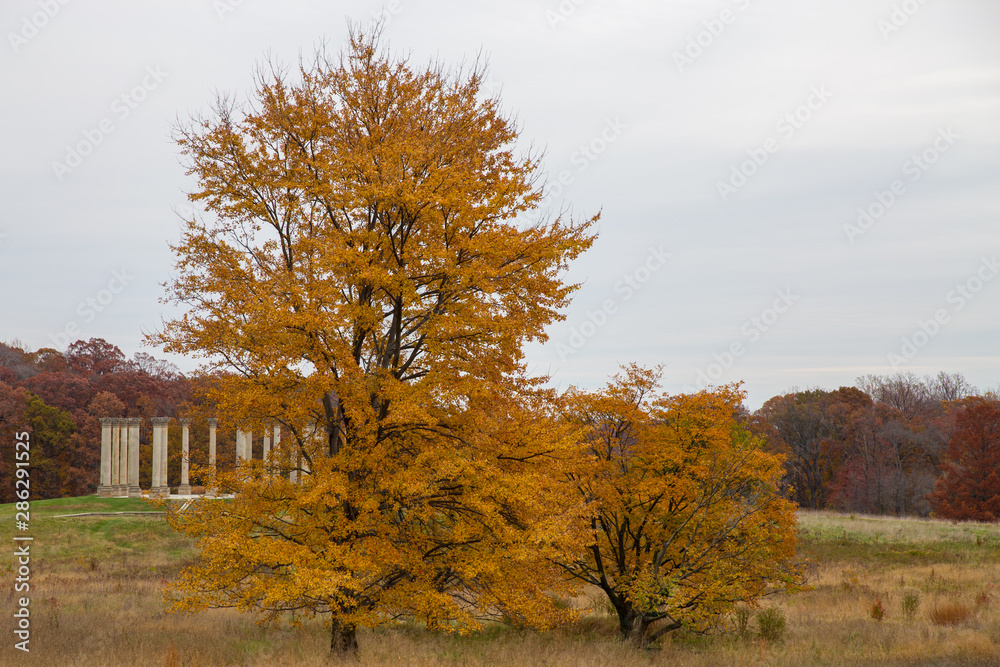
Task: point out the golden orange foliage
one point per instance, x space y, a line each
687 519
365 278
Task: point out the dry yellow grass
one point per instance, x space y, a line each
96 601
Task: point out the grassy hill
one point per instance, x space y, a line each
59 539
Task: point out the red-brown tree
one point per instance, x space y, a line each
969 486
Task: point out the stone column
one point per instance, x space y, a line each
154 484
213 424
104 490
133 457
123 458
309 446
160 485
165 458
244 445
116 457
185 487
276 440
267 445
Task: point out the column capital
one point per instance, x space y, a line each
161 421
186 421
213 422
107 421
134 421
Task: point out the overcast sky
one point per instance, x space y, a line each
793 192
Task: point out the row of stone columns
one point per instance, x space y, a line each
244 443
120 455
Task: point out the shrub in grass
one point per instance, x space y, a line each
601 606
911 601
949 613
742 618
985 597
877 610
770 624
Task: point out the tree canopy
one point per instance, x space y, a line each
687 516
366 276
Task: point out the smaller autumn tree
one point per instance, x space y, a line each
687 515
969 485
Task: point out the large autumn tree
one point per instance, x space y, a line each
687 517
365 275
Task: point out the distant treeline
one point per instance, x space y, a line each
896 444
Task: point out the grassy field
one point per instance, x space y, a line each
96 580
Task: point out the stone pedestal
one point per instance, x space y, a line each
185 486
105 490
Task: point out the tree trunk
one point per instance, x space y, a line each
632 626
343 640
638 636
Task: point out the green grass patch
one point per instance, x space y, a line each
829 537
101 538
